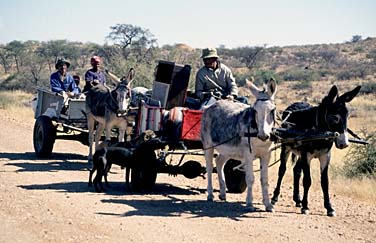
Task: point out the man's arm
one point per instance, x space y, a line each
55 84
232 84
199 85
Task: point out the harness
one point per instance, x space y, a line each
112 105
248 134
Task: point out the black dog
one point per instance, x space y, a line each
119 153
103 160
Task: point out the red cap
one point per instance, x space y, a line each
95 59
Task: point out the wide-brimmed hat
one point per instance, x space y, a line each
209 53
60 62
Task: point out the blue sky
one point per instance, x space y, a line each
232 23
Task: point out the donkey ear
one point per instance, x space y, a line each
348 96
272 88
331 96
253 88
130 75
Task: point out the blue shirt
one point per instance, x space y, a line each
92 75
67 85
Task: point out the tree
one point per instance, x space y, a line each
4 58
356 38
52 50
15 49
248 55
133 40
35 64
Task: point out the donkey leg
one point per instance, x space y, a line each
297 174
307 181
121 137
98 134
220 163
324 166
281 172
209 170
250 179
264 162
90 125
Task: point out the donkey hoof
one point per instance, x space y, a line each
210 198
222 198
305 211
274 201
269 209
331 213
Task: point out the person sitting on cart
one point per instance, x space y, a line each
77 80
215 79
94 75
62 82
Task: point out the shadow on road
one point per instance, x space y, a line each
175 207
117 188
55 162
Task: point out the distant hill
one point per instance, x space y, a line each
25 65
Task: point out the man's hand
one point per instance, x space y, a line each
230 97
70 94
94 82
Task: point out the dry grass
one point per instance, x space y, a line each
17 104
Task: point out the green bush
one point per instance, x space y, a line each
368 88
302 85
355 72
262 76
361 159
301 75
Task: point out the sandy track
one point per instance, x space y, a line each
49 201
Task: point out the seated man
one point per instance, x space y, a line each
215 78
94 75
62 82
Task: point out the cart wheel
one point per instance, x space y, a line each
235 179
44 136
144 173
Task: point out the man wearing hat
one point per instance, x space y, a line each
62 82
94 75
215 77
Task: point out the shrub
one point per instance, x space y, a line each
368 88
361 159
262 76
302 85
301 75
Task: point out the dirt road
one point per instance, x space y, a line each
49 201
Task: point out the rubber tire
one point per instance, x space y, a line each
144 173
235 180
44 136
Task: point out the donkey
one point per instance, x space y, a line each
329 116
109 109
239 131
